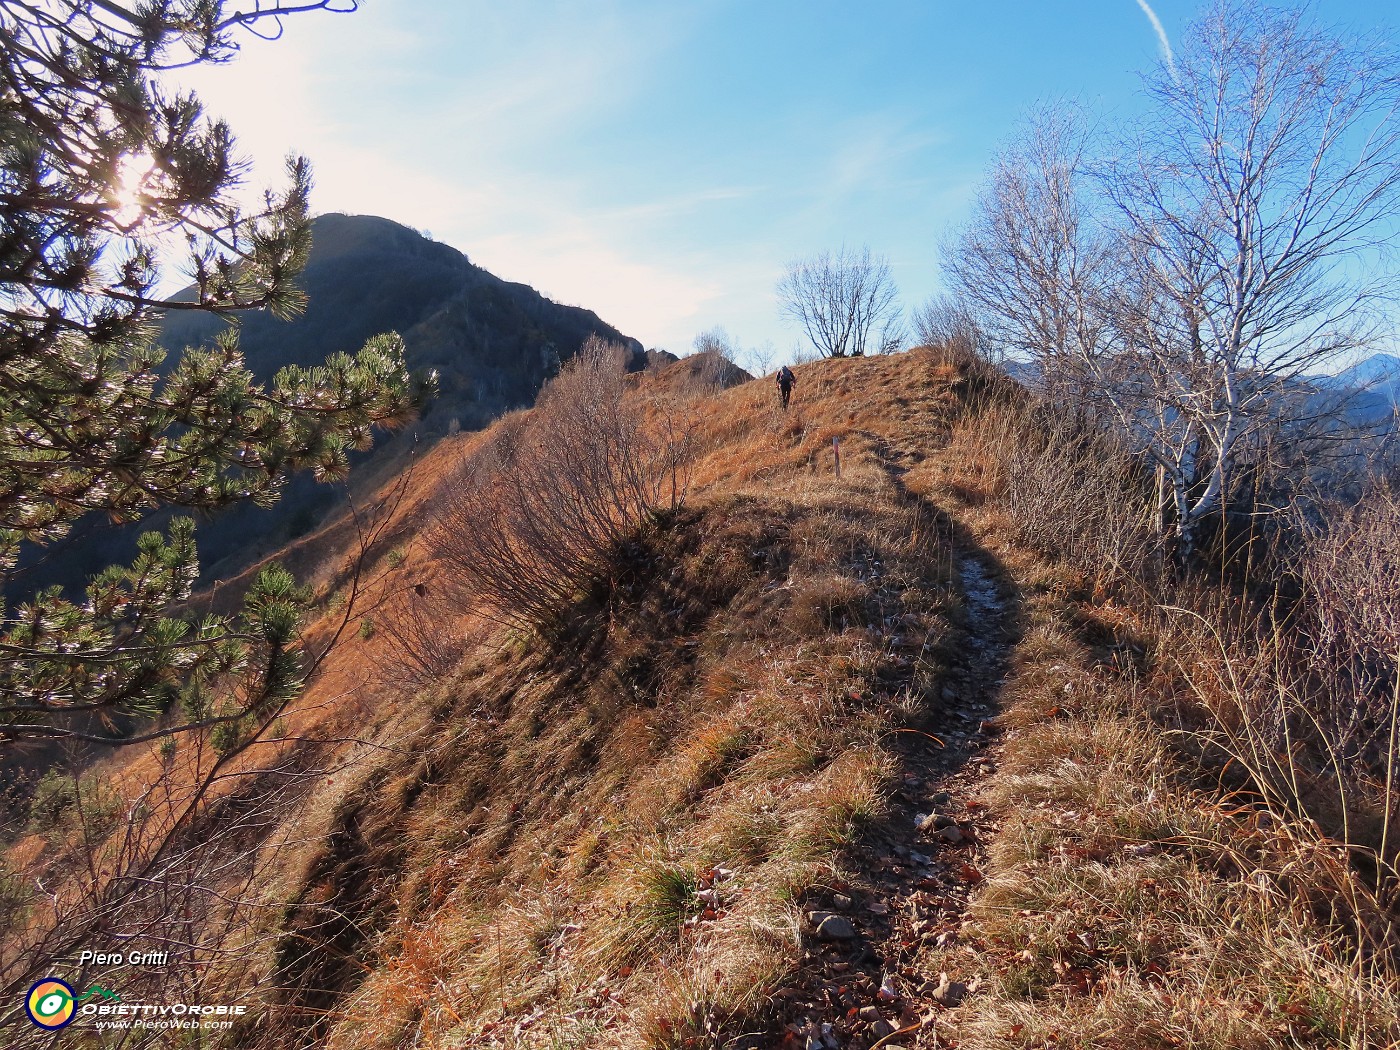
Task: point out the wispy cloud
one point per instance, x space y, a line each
1162 41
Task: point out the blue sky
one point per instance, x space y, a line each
662 163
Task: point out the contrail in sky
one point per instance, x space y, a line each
1161 38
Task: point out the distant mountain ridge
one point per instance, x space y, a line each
1376 368
493 343
1378 374
1366 394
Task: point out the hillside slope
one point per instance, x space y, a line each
831 759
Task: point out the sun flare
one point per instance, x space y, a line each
131 188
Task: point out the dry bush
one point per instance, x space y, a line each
538 515
1075 492
1309 705
1355 603
427 638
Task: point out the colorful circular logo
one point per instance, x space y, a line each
50 1003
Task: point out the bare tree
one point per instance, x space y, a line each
715 359
759 359
1233 247
1035 264
947 323
847 304
715 341
1256 199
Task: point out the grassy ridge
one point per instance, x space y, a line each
609 836
606 839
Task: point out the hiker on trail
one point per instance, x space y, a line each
786 381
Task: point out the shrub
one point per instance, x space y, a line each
950 327
62 803
54 796
1305 696
426 638
226 737
1071 486
537 516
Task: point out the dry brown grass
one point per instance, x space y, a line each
1134 898
541 830
1128 904
1069 490
1126 907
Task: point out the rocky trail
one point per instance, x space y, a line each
914 870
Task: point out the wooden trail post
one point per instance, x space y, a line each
836 448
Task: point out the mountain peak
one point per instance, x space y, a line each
335 234
1378 368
